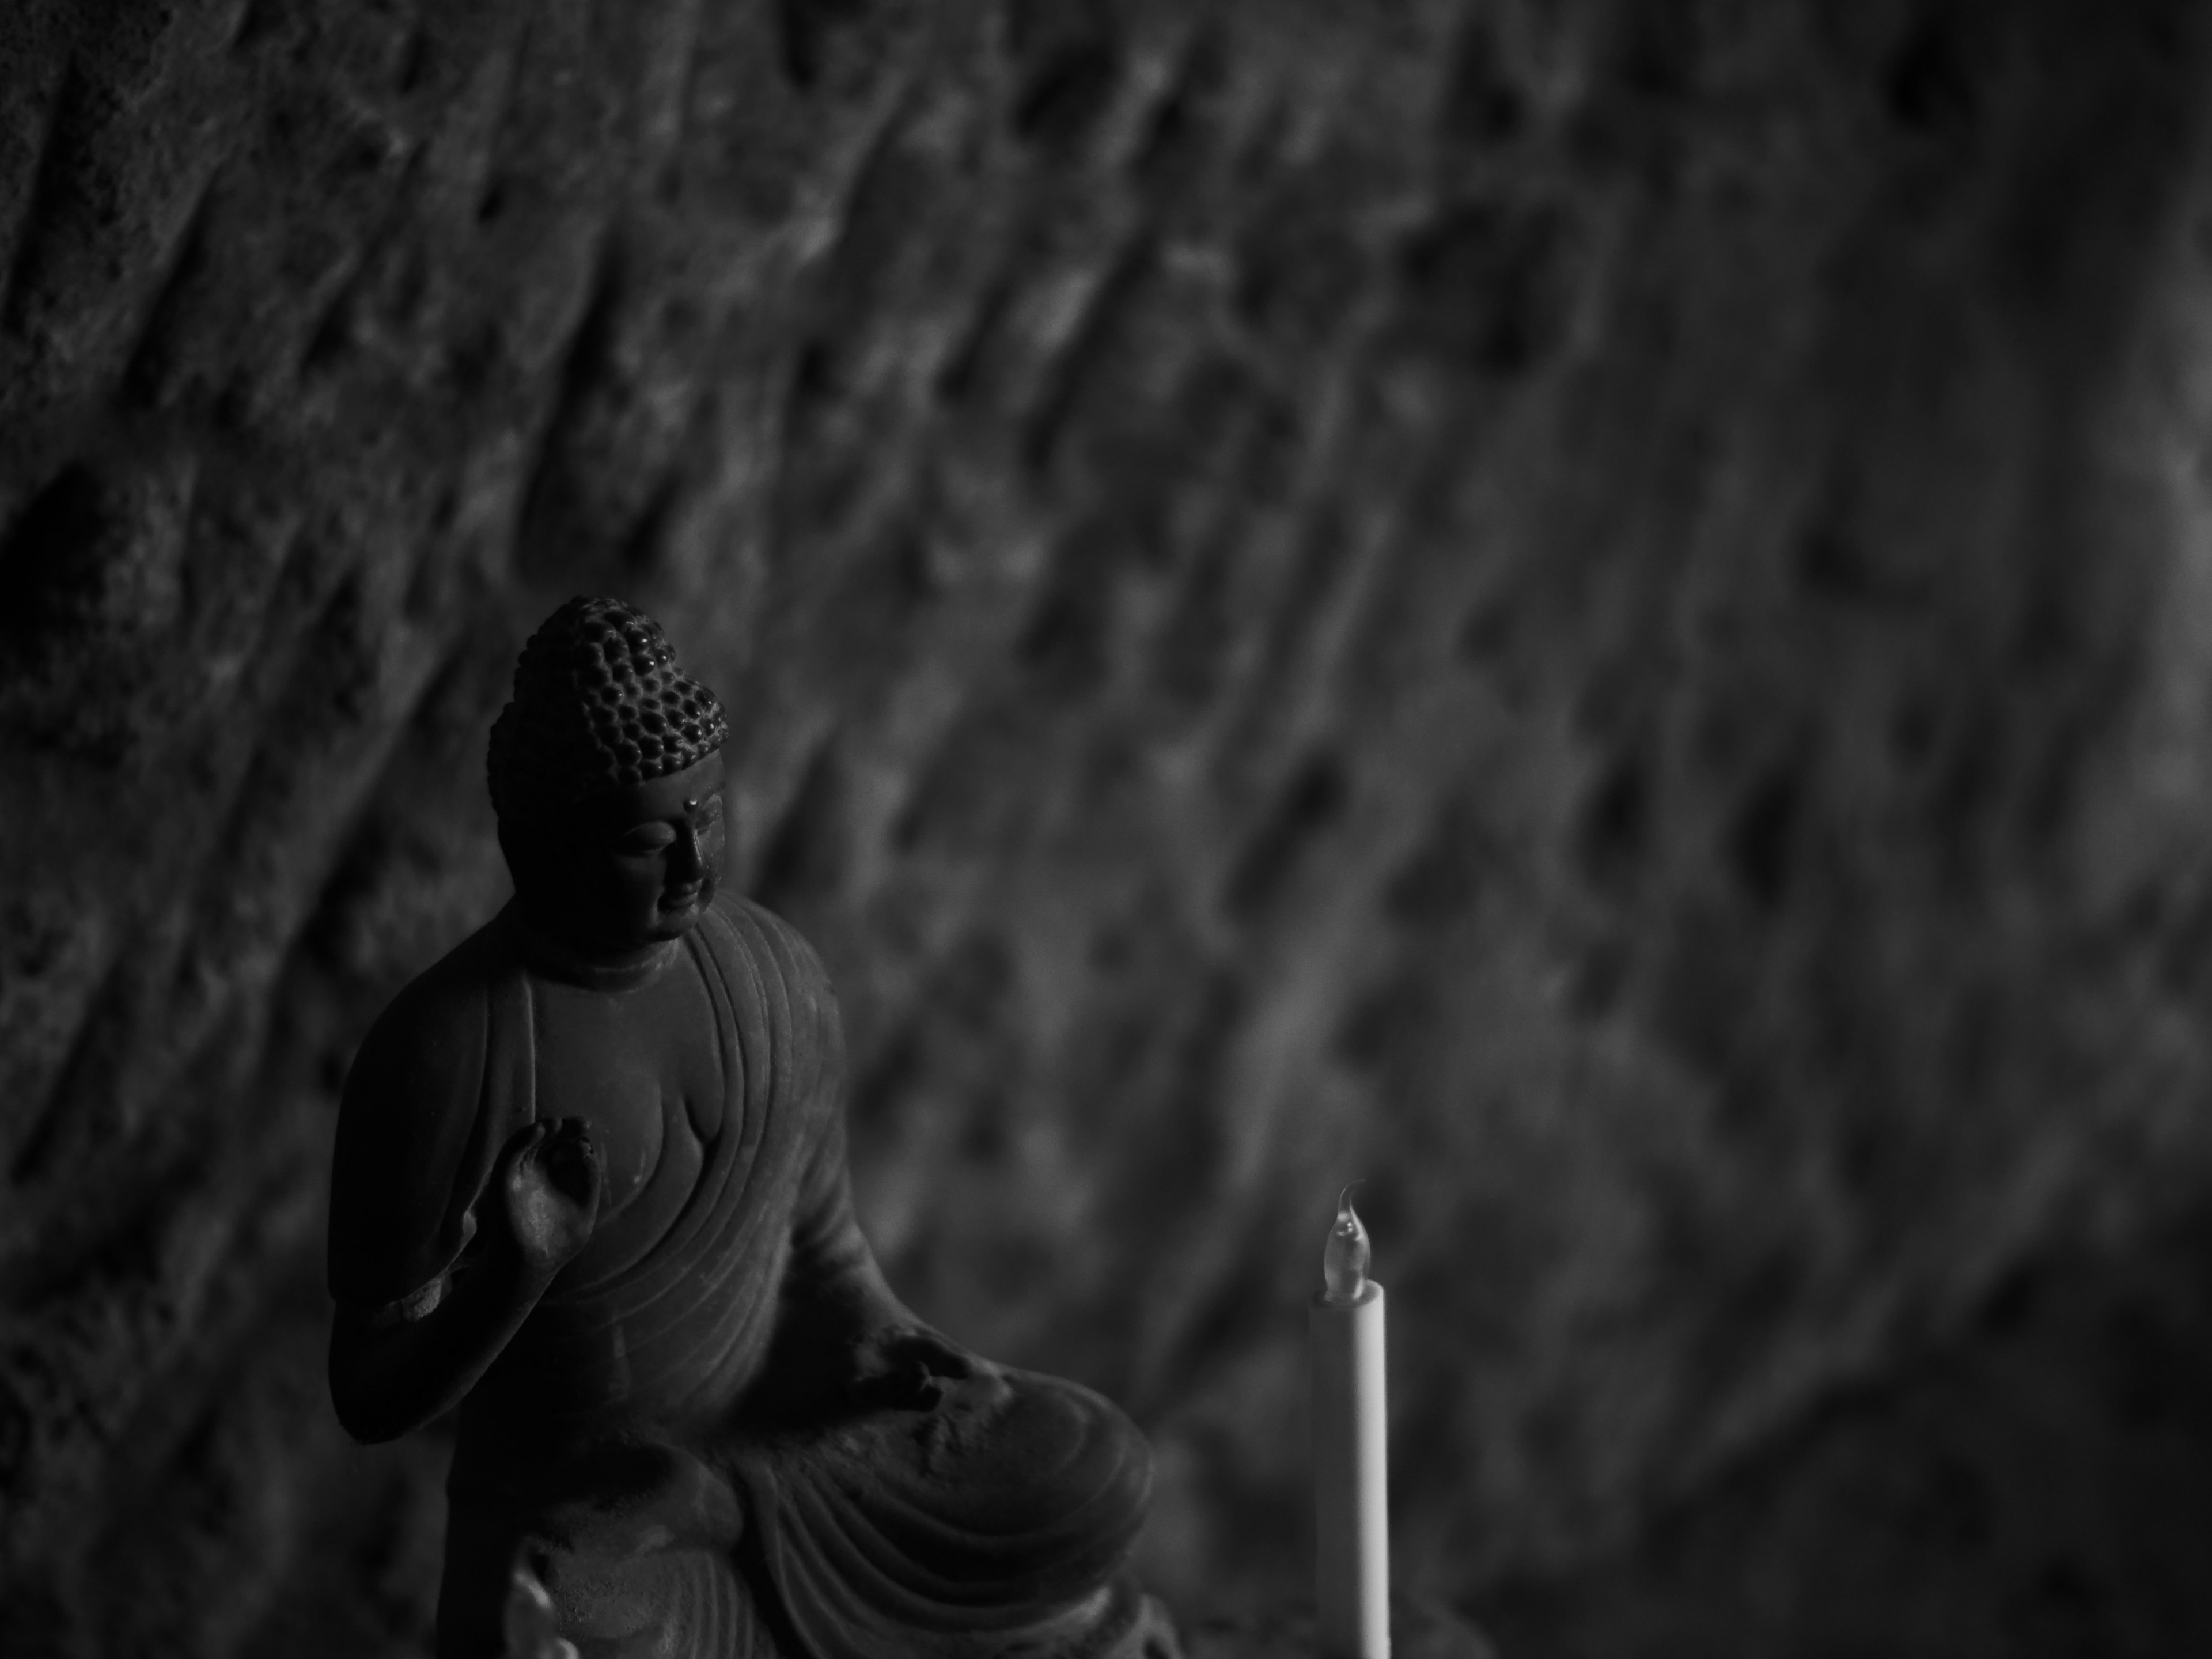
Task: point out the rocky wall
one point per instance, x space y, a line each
1596 611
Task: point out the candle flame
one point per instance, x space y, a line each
1344 1260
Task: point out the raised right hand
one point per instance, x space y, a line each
551 1175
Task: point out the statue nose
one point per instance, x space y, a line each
687 858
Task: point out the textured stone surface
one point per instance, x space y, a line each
1598 610
2036 1490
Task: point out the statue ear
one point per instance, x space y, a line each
532 856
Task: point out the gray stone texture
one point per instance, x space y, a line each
1597 610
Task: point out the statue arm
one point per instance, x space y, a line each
839 1311
831 1267
392 1370
829 1253
448 1219
888 1355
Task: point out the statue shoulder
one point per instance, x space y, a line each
761 932
435 1025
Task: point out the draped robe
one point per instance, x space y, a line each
668 1440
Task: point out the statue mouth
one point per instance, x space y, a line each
683 898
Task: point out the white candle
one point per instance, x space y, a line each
1351 1446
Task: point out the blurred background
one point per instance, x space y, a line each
1599 611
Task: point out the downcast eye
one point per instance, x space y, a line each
645 840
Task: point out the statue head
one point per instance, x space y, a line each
607 774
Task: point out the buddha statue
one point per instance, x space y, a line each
590 1188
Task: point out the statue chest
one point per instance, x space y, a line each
641 1065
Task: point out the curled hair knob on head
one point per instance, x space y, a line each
599 704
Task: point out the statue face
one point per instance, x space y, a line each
632 868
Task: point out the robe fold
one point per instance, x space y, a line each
667 1442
